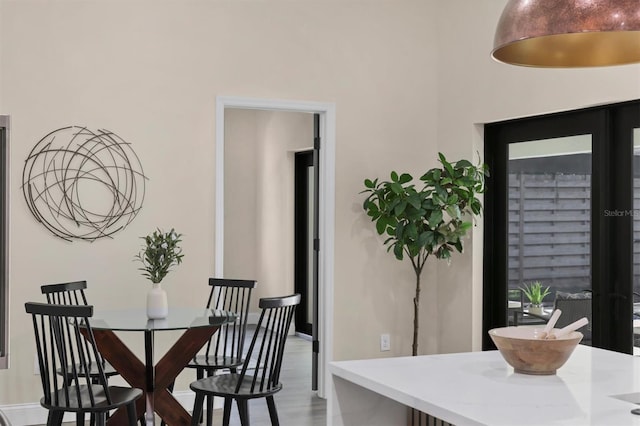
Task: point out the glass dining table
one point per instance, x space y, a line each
153 378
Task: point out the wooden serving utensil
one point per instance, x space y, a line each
568 329
552 321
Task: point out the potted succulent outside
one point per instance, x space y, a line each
536 294
160 253
429 220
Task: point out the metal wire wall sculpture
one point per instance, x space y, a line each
83 184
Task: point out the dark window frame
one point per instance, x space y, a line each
611 237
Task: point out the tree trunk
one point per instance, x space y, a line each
416 316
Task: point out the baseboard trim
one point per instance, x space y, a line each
34 414
25 414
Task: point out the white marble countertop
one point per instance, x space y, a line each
480 388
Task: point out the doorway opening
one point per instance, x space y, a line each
326 130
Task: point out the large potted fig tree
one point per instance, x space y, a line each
428 219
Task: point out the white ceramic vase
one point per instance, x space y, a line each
157 305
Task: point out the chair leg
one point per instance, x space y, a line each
273 413
226 415
131 414
209 410
209 403
200 375
54 418
243 409
197 409
59 417
79 419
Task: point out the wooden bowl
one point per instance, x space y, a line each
522 348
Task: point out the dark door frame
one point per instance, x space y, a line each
307 235
303 160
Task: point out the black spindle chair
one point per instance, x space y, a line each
224 349
72 293
260 373
60 333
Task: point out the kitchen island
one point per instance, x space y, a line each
594 387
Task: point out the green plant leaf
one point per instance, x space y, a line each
447 166
396 188
405 177
397 251
463 164
400 208
454 212
465 226
412 230
435 218
399 231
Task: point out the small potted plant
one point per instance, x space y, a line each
536 294
160 253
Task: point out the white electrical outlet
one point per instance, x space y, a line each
385 342
36 365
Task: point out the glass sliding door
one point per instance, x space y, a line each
549 226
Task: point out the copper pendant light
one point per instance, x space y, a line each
568 33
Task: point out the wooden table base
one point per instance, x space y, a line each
153 380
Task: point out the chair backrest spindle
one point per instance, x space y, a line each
235 296
269 341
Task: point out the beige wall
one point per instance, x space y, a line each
259 161
150 71
240 198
